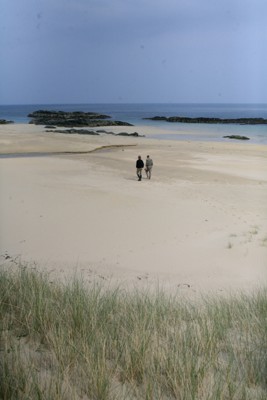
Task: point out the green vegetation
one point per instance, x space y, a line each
77 342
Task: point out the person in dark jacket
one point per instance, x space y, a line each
139 168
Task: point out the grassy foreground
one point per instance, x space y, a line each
75 342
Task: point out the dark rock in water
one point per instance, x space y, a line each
103 131
71 119
157 118
238 137
4 122
75 131
135 134
65 115
50 127
91 132
106 132
204 120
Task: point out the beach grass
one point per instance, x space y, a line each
76 341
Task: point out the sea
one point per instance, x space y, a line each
135 114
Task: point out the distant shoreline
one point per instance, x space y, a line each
209 120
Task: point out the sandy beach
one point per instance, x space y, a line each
72 204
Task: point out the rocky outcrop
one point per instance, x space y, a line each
135 134
204 120
90 132
4 122
71 119
238 137
74 131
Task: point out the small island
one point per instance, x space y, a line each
206 120
237 137
71 119
4 122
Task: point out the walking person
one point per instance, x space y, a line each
149 166
139 168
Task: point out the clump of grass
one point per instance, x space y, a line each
264 241
230 245
254 230
78 342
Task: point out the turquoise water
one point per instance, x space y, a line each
134 114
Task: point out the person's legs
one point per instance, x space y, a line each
139 173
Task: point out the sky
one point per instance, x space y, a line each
133 51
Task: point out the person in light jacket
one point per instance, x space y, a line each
149 166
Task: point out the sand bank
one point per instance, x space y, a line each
199 224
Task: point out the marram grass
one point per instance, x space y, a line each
89 342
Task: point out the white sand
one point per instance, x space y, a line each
199 224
